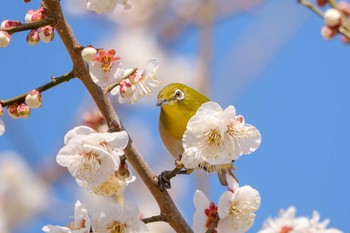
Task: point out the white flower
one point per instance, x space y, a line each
320 227
115 184
139 84
81 224
286 222
105 6
114 218
205 213
215 136
91 156
236 209
106 68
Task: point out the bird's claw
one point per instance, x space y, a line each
164 181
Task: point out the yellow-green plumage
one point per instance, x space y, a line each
174 116
176 113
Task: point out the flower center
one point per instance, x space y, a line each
117 227
237 128
90 161
244 212
106 59
286 229
213 137
211 213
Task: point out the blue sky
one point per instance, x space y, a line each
272 64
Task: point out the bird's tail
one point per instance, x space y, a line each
227 170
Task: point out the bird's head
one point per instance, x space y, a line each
181 97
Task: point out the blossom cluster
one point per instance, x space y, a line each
21 109
94 160
107 71
235 211
335 19
106 6
215 137
107 218
287 222
45 33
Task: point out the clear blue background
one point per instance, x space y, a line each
298 99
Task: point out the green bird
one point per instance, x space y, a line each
178 104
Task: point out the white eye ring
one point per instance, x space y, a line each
179 95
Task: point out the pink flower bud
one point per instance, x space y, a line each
35 15
12 111
46 33
344 7
10 23
5 39
34 99
332 17
345 39
33 37
1 110
321 3
88 53
23 111
126 88
328 33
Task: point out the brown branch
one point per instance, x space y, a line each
168 208
29 26
157 218
54 82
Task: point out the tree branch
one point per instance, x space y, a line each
168 208
29 26
156 218
47 86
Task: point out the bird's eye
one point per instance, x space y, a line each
179 95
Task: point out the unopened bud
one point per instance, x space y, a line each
23 111
88 53
321 2
12 111
46 33
1 110
5 39
34 99
126 88
345 39
328 33
332 17
9 23
33 37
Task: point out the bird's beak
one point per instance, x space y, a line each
161 102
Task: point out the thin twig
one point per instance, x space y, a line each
29 26
156 218
112 86
312 7
54 82
213 224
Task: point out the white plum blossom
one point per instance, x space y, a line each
91 156
215 137
236 208
139 84
114 218
106 68
81 224
288 222
106 6
204 214
320 227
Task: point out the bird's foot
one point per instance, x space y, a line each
164 180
